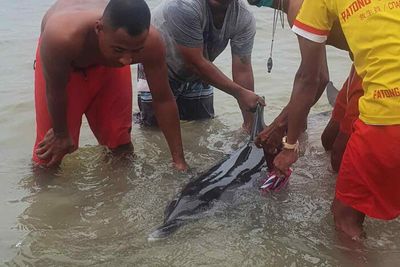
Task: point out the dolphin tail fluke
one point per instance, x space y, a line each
165 230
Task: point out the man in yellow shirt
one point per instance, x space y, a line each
368 182
338 131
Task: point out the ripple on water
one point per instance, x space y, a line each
99 210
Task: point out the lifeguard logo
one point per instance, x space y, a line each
353 8
386 93
394 4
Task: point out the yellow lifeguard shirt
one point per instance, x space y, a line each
372 30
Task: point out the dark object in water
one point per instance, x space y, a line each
331 93
197 196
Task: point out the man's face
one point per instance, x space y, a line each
117 47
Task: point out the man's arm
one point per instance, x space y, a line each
184 21
242 74
305 90
164 104
56 55
208 72
305 87
267 137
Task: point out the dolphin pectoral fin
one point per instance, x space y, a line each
170 207
165 230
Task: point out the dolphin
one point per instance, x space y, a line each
198 195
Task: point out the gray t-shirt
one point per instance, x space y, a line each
190 23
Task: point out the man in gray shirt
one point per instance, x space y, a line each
195 33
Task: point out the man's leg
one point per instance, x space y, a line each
196 102
78 99
329 134
110 113
348 220
368 178
332 129
354 92
338 148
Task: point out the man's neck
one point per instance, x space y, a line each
90 54
219 6
218 10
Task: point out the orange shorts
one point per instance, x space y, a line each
346 111
369 176
103 94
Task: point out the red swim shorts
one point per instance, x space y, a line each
103 94
369 176
346 110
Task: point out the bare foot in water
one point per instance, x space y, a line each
348 220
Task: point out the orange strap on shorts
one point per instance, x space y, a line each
102 94
369 176
346 110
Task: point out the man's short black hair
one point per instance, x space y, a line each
131 15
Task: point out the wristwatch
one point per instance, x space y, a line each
288 146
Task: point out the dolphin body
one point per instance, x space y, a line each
198 195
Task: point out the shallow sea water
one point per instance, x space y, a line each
99 210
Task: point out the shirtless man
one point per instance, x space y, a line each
83 67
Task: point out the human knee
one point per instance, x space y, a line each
329 134
338 148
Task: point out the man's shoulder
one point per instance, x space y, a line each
154 48
154 38
244 11
70 37
242 16
186 6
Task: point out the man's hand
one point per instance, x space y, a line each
54 148
180 165
248 100
248 120
271 138
284 160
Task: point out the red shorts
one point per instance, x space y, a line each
103 94
346 111
369 176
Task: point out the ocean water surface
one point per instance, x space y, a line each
99 210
